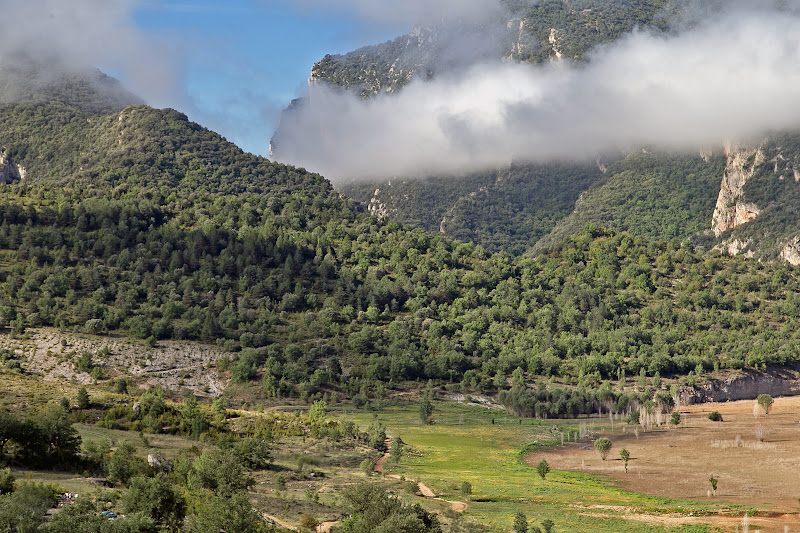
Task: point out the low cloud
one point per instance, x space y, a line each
82 33
733 79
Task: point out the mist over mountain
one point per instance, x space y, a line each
24 79
696 83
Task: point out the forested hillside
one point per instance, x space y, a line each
161 229
508 209
656 195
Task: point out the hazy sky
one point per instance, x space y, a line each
242 61
231 65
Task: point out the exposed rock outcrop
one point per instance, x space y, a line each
732 210
735 247
9 171
791 252
553 40
523 42
376 207
746 386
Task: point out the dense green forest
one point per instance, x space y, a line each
509 209
161 229
657 195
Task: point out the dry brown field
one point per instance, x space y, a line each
678 462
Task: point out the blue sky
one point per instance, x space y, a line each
242 61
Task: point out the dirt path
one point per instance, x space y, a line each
280 522
325 527
425 490
380 462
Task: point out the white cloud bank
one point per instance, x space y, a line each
736 78
81 33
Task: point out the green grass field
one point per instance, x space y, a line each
465 445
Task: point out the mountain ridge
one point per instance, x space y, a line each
476 207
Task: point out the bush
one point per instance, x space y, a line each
715 416
603 446
765 401
367 466
6 481
543 469
83 398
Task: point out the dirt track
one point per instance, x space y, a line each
426 491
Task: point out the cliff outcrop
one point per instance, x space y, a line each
732 209
10 171
746 386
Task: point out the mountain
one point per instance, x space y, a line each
143 224
506 209
23 79
740 199
533 32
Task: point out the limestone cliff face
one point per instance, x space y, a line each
553 40
732 210
9 171
376 207
523 41
791 252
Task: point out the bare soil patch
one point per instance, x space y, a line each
171 364
677 463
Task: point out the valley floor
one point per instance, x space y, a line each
677 463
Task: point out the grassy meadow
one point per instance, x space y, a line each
484 447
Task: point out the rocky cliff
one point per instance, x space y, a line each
746 386
732 209
10 171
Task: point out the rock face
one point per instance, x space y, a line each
746 386
731 209
377 207
791 252
10 172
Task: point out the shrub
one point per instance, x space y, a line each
761 431
765 401
715 416
466 490
625 455
543 469
603 446
83 398
6 481
367 466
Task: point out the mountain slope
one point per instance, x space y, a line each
658 195
533 32
149 226
508 209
